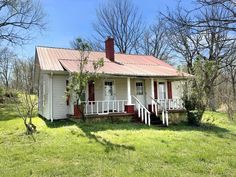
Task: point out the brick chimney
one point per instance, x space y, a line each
109 49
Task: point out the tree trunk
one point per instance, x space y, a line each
6 84
30 127
80 108
211 99
234 90
212 102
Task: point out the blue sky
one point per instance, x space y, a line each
68 19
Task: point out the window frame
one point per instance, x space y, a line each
139 89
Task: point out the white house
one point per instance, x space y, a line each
128 83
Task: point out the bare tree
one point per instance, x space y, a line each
228 21
26 102
16 74
226 97
182 39
18 18
216 48
17 81
195 20
230 71
155 42
121 20
96 45
210 43
7 58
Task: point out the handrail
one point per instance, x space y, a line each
165 115
139 102
143 112
156 103
155 100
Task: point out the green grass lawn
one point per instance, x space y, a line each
64 148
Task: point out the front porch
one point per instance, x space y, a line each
120 106
143 96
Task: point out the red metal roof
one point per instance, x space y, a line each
58 59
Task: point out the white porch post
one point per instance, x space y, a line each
128 91
152 92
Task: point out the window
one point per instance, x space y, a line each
162 90
139 88
108 88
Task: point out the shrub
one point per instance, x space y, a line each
6 95
195 110
194 118
11 93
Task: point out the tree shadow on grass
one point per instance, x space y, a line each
205 127
109 146
90 129
208 128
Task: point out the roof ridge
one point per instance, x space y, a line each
67 48
135 54
41 46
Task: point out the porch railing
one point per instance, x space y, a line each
143 113
170 104
104 106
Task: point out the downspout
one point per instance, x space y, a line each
51 97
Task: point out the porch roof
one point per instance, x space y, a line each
58 59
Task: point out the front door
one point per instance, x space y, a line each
140 94
162 93
108 95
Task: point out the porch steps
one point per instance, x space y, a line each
155 120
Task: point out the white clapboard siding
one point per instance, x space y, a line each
40 96
60 109
43 101
177 89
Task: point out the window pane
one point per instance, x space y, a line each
161 90
108 88
139 88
